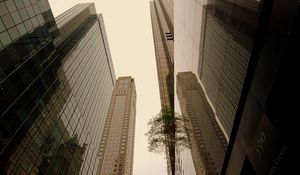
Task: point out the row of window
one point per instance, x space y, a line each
69 110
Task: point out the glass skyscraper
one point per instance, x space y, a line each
162 19
57 79
207 142
231 62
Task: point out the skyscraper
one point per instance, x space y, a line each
56 83
117 143
239 52
163 35
214 40
162 27
225 49
208 143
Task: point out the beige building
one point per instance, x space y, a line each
208 143
117 143
162 20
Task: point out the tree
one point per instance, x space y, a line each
167 129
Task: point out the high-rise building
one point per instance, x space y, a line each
225 49
239 52
207 142
25 22
56 83
264 135
117 143
163 35
214 40
162 27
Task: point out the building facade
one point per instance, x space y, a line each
225 48
56 83
208 143
162 27
238 51
162 18
117 142
266 131
214 40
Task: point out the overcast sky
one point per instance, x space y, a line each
129 32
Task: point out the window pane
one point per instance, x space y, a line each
26 2
30 11
21 29
3 9
8 22
28 25
16 17
36 9
24 14
34 22
40 19
10 5
13 32
19 4
33 2
5 39
1 26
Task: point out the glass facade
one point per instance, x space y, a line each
54 97
164 52
231 63
163 36
224 55
214 40
20 17
207 142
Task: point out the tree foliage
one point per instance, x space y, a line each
166 129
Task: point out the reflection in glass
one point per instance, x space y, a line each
54 97
213 45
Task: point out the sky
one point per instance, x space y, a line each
129 32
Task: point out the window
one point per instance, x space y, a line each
3 9
26 2
36 9
40 19
10 5
169 36
24 14
13 32
19 4
2 28
28 25
5 39
30 11
16 17
34 22
8 22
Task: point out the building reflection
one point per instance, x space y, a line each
227 35
56 81
208 143
66 161
236 52
46 133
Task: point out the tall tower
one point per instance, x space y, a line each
56 82
208 143
117 143
225 49
240 56
162 27
162 19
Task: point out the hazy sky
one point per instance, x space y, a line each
129 32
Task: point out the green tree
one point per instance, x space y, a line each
167 129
